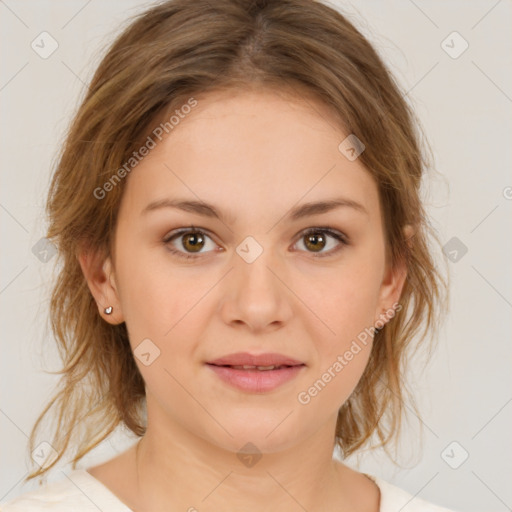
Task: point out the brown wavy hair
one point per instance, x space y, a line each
163 57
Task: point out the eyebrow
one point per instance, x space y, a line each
296 213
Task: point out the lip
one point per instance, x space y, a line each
253 380
256 381
244 358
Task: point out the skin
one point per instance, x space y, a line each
270 151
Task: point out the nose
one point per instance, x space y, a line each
256 294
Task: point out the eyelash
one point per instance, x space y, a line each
340 237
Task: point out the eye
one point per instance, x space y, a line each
190 239
188 242
316 239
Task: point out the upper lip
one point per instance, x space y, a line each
246 359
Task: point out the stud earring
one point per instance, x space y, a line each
108 310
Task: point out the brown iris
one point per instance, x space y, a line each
193 241
315 241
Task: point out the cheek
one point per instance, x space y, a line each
334 384
342 302
342 351
157 300
162 314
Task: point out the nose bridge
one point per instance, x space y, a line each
256 263
257 295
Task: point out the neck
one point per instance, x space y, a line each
177 470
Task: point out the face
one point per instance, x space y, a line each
257 272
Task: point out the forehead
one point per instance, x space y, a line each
252 151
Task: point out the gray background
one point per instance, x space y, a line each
464 104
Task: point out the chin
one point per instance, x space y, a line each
258 433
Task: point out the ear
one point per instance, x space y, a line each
99 274
393 283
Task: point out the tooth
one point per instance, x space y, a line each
266 367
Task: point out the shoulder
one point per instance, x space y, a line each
77 491
393 498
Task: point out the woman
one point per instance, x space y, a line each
245 265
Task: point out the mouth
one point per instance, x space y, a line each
256 374
245 360
258 368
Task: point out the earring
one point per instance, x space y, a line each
108 310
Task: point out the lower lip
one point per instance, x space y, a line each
256 381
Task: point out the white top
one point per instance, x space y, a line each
81 492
